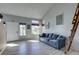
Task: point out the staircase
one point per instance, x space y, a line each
75 23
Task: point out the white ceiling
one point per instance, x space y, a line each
31 10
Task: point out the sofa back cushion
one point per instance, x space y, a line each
62 38
43 34
46 35
54 36
51 35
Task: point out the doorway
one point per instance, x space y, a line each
22 30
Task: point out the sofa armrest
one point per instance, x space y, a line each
61 42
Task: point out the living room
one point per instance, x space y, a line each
26 23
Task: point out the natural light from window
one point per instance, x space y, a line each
22 30
35 27
12 45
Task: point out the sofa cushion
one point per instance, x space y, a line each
54 36
51 35
47 35
54 43
43 35
61 37
53 40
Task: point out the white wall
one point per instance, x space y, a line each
12 23
2 37
68 11
13 27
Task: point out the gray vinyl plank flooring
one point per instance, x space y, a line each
31 47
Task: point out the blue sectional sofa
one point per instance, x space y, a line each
54 40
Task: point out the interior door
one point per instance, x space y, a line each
12 31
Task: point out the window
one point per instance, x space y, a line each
22 29
59 19
35 27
